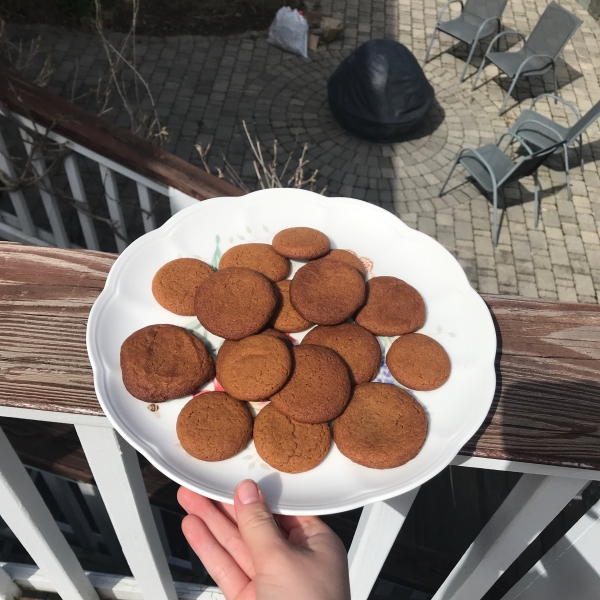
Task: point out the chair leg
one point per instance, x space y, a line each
555 83
462 77
536 199
581 152
478 73
510 89
495 229
449 175
429 46
566 158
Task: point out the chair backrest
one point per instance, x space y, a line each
583 123
528 165
484 9
554 29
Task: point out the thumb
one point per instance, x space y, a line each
256 523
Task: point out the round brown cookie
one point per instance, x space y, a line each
301 243
235 302
162 362
213 426
258 257
392 308
288 445
229 344
255 368
349 258
287 318
319 387
174 285
327 292
418 362
358 347
383 426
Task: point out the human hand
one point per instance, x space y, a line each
252 555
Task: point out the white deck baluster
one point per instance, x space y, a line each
116 469
45 189
530 506
570 570
375 535
24 511
78 193
17 198
146 206
114 206
9 590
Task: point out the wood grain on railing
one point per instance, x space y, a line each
547 404
120 145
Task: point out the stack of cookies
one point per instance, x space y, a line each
326 379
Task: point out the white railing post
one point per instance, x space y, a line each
116 469
570 569
114 206
78 193
45 189
24 511
530 506
9 590
17 198
375 535
146 206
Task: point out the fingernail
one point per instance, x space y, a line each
247 492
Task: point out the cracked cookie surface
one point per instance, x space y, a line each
288 445
382 427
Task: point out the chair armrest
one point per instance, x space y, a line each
502 33
445 7
529 58
558 99
517 137
483 25
538 124
475 154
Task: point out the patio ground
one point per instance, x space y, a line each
206 86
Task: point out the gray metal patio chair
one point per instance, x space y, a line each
492 169
540 132
478 19
540 50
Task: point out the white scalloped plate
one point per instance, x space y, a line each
456 317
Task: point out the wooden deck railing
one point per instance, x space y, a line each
115 152
545 423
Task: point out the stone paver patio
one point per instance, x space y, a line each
205 87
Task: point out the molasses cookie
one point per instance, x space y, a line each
214 426
288 445
349 258
392 308
301 243
319 387
162 362
418 362
382 427
255 368
287 318
235 302
229 344
258 257
327 292
174 285
358 347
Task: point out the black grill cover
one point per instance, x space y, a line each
380 91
